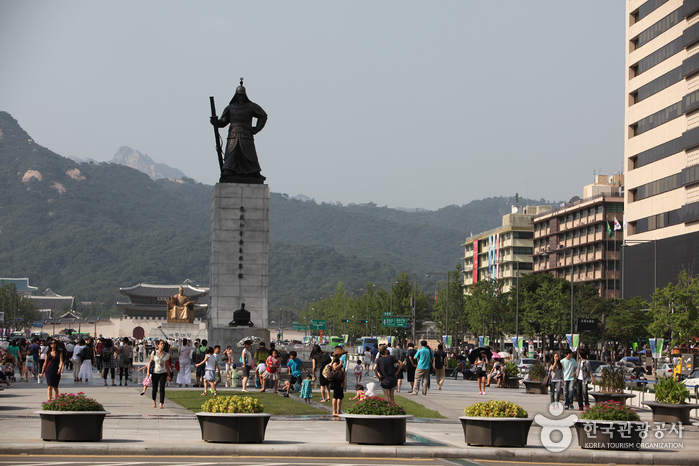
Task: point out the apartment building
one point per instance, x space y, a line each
661 144
582 239
499 253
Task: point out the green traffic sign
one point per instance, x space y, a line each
298 327
388 313
395 322
317 324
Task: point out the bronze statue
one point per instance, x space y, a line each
239 164
180 309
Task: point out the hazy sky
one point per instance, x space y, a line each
403 103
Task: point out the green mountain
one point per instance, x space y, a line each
86 229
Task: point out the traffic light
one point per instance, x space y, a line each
366 321
345 320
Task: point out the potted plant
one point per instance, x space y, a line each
375 421
233 419
670 402
511 375
610 425
496 423
72 417
535 384
612 386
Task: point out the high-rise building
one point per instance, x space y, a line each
499 253
661 153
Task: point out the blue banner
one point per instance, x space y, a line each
480 341
652 345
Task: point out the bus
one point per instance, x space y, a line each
335 341
364 342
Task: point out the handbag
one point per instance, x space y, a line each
148 381
547 380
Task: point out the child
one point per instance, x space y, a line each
307 389
259 370
360 392
211 366
358 371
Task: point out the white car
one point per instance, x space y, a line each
664 371
693 379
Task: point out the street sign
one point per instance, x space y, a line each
317 324
298 327
587 325
395 322
387 313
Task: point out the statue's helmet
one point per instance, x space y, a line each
240 94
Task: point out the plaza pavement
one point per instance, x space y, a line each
135 428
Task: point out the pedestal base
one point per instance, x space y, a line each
225 336
177 331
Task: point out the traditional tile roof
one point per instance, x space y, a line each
162 291
22 285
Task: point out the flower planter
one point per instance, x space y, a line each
610 435
375 430
536 387
72 426
511 382
496 431
233 427
672 413
601 397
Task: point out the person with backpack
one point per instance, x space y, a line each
108 359
439 362
320 360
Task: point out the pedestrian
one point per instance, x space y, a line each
337 382
125 361
108 359
367 360
262 353
77 359
35 348
481 370
248 363
87 354
360 395
399 354
23 353
294 366
321 359
98 349
386 369
70 347
307 389
460 366
271 373
411 364
184 376
227 359
53 367
569 365
199 355
582 378
161 370
424 360
358 371
141 351
440 357
148 380
555 373
210 363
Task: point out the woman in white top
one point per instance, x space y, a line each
211 366
184 376
86 365
367 359
161 370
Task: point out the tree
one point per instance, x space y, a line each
628 322
456 313
674 310
19 312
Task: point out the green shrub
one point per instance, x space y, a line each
494 408
610 411
668 390
613 380
537 372
373 405
72 402
511 369
233 404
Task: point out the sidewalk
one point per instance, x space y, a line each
135 428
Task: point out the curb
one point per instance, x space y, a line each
351 451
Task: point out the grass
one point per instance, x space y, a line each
274 404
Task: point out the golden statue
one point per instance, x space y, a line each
180 309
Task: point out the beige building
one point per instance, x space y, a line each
501 252
578 241
662 142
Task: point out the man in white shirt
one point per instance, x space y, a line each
248 364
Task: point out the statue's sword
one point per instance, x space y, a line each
216 135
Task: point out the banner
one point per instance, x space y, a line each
573 340
486 341
447 340
652 346
515 343
659 346
480 341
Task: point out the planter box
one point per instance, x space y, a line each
601 397
511 382
536 387
233 427
72 426
672 413
375 430
610 435
496 431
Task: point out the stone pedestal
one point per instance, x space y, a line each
239 263
177 331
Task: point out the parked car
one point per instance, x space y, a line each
664 371
597 373
632 359
595 364
693 379
525 364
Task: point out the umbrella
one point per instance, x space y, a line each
496 356
475 354
254 340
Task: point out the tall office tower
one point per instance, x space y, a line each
661 153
